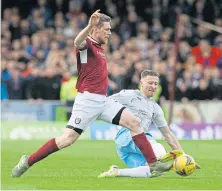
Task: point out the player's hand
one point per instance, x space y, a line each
94 19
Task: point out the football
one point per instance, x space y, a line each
184 165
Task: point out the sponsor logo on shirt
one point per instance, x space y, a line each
101 54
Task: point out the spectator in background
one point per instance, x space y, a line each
201 33
203 10
184 51
14 27
15 85
162 91
128 27
206 55
25 28
215 82
50 84
7 15
5 76
71 29
68 91
184 86
45 11
116 77
32 48
59 6
203 92
197 75
32 84
143 32
115 42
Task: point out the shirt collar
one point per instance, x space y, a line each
138 92
93 40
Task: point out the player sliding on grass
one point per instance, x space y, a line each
141 104
91 102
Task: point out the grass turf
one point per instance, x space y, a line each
78 166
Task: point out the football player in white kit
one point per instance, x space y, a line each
142 105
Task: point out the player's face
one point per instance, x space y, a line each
104 33
149 85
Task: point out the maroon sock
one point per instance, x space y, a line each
145 147
46 149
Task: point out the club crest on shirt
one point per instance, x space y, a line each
77 120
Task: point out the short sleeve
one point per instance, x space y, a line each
120 97
159 119
83 46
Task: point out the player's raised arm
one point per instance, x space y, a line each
79 41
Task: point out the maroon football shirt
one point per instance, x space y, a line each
92 68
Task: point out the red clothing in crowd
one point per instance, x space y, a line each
211 60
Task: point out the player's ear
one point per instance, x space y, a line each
94 29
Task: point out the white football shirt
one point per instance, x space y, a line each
144 108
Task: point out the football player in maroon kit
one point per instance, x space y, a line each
91 102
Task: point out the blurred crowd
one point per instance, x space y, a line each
38 57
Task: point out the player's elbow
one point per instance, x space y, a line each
79 44
76 43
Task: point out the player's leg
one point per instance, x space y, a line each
115 113
140 140
83 113
46 149
138 172
127 151
132 157
139 167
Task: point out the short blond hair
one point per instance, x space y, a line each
104 18
146 73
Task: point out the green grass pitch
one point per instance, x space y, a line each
78 166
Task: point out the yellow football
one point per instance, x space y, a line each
184 165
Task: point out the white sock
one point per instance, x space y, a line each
141 171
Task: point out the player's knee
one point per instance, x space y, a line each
130 121
69 142
134 124
66 140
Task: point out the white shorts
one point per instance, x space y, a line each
88 107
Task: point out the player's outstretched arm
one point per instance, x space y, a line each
79 41
170 138
172 141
